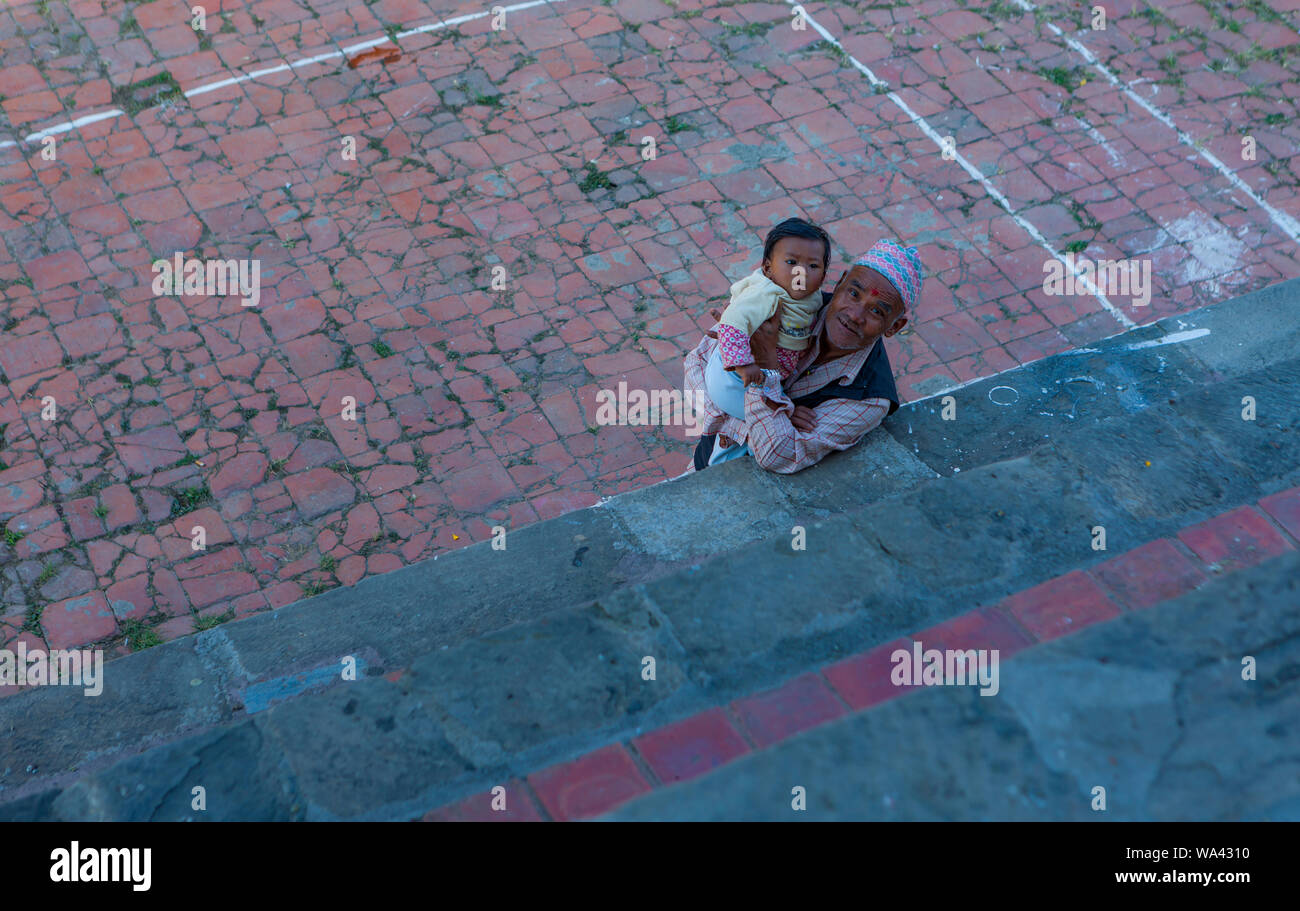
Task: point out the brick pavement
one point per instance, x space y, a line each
521 149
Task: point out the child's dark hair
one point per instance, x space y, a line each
797 227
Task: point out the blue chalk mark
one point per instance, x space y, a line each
261 696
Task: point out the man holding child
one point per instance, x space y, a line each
787 382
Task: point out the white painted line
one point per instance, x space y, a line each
1173 338
1116 160
283 67
70 125
976 174
256 74
1284 221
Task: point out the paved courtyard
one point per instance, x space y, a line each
514 158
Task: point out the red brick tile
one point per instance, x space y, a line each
746 113
20 79
958 24
82 521
863 680
319 491
985 628
129 599
150 450
30 107
1235 540
18 497
614 268
1154 572
1006 112
1284 507
691 747
78 621
478 808
210 589
1061 606
480 486
242 472
42 529
804 702
24 355
589 786
175 628
86 336
121 506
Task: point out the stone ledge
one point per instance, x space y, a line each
1158 715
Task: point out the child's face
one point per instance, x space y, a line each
797 265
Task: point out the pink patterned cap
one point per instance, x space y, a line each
900 265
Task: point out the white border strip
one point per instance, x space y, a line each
975 174
1173 338
257 74
1284 221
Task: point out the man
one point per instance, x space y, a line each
842 386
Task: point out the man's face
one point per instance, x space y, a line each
864 307
793 253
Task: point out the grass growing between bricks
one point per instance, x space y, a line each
202 623
595 179
190 499
139 635
316 587
138 96
32 621
1068 79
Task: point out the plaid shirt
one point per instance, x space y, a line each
773 441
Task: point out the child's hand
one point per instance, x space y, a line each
750 374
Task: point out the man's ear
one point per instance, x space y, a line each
767 268
898 324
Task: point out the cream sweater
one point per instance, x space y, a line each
755 298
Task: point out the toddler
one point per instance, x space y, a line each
795 257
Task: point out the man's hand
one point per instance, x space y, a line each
804 419
763 342
750 374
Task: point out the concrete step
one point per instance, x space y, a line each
1150 706
913 537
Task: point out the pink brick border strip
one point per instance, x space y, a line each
598 782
